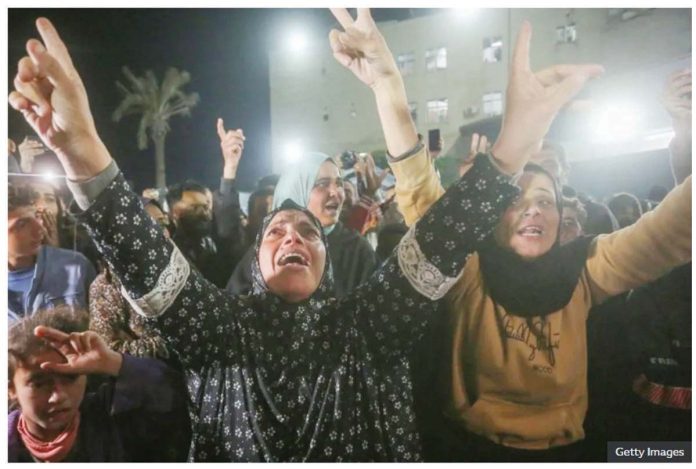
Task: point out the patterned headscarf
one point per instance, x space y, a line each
325 289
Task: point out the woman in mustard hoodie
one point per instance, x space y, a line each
517 378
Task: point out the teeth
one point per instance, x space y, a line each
286 257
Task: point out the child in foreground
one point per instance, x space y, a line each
50 355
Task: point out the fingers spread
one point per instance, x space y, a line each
474 143
54 44
483 144
47 64
50 334
57 367
567 89
19 102
342 16
557 73
520 56
364 15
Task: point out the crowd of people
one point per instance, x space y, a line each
507 317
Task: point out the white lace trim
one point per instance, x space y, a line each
423 276
169 285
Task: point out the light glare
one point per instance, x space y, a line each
293 152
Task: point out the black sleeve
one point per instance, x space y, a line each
196 318
393 308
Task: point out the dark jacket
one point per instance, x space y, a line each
216 255
128 419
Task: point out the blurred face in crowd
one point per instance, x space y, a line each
529 227
547 159
292 256
351 194
159 216
209 198
570 225
46 199
327 196
259 209
49 401
25 232
192 214
626 210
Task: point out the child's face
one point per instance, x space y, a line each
49 401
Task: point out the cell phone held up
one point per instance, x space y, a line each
434 141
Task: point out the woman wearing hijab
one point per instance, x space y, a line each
517 372
315 184
288 373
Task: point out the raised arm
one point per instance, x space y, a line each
227 211
532 102
156 276
677 100
393 308
659 241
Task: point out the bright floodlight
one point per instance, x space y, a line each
617 123
293 152
47 175
297 41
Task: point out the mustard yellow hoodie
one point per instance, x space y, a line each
528 389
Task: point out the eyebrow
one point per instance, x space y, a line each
337 178
284 221
544 190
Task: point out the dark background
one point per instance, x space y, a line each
225 50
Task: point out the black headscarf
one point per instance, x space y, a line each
536 287
325 289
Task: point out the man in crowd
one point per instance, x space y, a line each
39 276
210 234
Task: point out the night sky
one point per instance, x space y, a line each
225 50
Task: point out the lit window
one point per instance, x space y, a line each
436 59
493 104
492 49
567 33
406 63
437 110
413 109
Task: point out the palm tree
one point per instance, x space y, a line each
156 105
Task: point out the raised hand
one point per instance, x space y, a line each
479 144
50 224
532 102
84 352
676 98
28 150
366 168
50 95
361 48
232 146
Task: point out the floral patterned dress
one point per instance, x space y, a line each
323 379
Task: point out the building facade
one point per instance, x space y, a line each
455 66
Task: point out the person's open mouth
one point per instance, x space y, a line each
293 258
531 231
